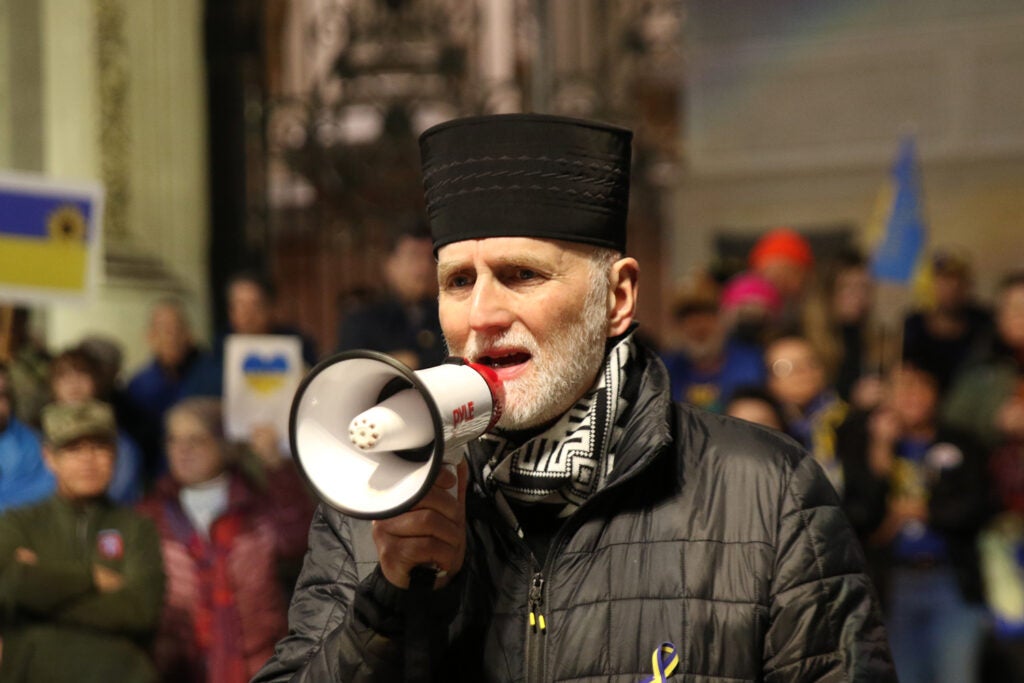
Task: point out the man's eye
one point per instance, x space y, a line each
458 281
526 274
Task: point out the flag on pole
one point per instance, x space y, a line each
897 235
899 251
49 238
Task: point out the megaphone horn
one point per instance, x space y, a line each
370 435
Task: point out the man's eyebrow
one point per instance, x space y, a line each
519 260
446 269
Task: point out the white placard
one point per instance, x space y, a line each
261 374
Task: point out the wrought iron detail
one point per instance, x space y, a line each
115 137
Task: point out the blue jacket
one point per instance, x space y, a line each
23 475
742 365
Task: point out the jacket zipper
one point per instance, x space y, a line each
537 629
537 622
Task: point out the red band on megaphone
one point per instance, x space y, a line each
496 388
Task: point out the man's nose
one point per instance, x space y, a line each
489 306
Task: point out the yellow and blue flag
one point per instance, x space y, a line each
899 251
49 237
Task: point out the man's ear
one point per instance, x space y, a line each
624 287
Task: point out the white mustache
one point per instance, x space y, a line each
520 339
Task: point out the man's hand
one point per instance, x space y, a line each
106 579
433 533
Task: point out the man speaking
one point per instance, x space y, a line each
600 530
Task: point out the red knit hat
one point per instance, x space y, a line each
782 243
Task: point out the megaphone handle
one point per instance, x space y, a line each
417 624
421 588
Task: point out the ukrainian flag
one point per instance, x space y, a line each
898 253
46 234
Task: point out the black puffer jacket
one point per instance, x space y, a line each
713 534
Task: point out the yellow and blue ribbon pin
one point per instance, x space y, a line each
663 662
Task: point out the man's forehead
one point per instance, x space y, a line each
506 248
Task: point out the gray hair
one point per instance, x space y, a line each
206 409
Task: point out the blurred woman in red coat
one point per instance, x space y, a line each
228 520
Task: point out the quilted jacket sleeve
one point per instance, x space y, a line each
825 620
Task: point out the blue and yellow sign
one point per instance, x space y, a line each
265 374
49 237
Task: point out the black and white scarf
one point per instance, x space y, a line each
566 463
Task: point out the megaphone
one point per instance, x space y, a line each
370 435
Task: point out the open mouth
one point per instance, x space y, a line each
500 359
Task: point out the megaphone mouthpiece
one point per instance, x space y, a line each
401 422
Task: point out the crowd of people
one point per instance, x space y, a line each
155 502
916 421
138 542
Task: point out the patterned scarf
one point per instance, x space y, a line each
565 464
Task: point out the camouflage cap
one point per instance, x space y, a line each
64 423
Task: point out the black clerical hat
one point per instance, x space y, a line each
527 175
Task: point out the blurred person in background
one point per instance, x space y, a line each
750 307
251 298
74 379
917 492
81 580
23 476
987 398
784 258
838 320
755 404
948 331
164 380
228 520
28 365
706 366
402 321
813 409
108 357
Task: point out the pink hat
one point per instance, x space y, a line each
750 288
